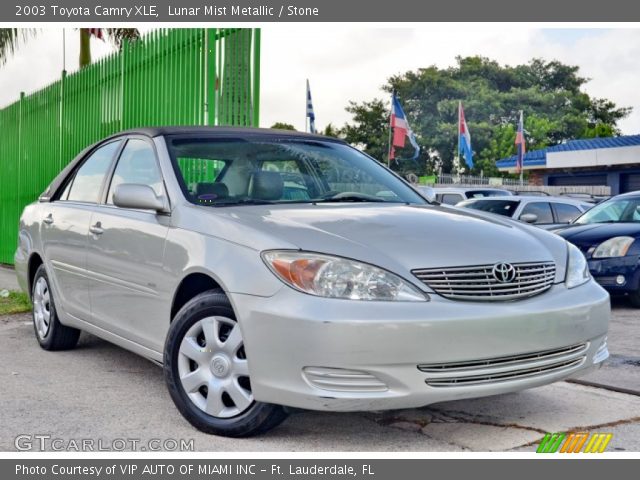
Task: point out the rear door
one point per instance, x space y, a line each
65 229
125 254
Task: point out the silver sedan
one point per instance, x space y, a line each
267 270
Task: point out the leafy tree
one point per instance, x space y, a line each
331 131
283 126
549 93
12 38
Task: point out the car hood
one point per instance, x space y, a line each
397 237
586 236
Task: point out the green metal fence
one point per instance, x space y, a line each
169 77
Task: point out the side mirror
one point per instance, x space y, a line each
140 197
529 217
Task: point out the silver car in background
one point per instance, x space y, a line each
267 269
542 211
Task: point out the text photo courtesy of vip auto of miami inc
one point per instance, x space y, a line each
410 239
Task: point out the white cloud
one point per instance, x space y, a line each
351 62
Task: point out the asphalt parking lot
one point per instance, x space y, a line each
99 391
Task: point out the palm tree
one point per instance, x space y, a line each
12 38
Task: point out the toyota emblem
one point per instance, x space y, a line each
504 272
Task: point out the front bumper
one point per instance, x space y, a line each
368 353
606 271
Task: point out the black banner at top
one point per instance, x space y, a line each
219 11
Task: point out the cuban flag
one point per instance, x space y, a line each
310 114
401 130
520 145
464 137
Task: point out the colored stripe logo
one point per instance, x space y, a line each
574 442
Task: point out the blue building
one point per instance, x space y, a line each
612 161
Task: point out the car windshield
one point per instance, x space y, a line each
265 170
616 210
500 207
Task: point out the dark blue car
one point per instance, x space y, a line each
609 236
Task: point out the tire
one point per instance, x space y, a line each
50 333
204 355
634 299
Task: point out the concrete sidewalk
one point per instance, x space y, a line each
8 279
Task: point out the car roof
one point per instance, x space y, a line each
223 131
536 198
466 189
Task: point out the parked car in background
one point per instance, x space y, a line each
252 266
544 212
454 195
609 236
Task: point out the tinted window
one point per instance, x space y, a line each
566 213
137 164
541 209
449 198
499 207
87 182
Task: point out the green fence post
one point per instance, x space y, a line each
61 120
210 75
256 77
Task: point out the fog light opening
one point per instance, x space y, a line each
620 280
602 353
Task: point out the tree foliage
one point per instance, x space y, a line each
549 93
283 126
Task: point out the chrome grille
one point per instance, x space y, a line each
500 369
478 282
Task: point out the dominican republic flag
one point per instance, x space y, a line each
310 114
520 145
96 32
401 130
464 139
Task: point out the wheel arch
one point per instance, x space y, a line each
191 285
35 260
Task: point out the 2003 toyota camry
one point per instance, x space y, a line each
267 270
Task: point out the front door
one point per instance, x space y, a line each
125 255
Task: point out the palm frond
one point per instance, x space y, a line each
118 36
11 39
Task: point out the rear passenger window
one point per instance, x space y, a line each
541 209
451 198
86 184
566 213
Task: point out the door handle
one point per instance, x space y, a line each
48 219
96 229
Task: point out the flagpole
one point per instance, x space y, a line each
522 165
390 132
458 151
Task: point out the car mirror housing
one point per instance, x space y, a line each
529 218
141 197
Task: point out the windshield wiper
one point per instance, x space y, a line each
245 201
350 198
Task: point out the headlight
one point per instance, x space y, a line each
614 247
577 268
337 277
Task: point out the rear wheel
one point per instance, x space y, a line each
207 373
51 334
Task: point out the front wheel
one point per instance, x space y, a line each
634 298
207 374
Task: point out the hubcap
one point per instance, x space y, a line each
41 307
213 369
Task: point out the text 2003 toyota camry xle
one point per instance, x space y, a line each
266 269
